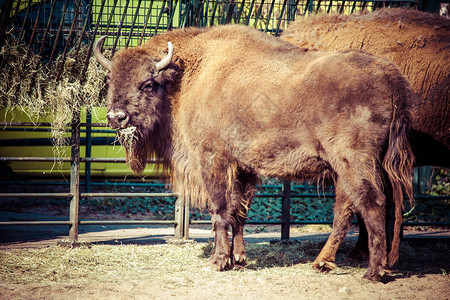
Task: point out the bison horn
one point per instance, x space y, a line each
99 55
164 63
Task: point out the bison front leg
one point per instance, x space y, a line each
242 199
239 255
343 214
230 198
223 257
220 259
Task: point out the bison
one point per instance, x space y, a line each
418 43
229 103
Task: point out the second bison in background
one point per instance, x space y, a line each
417 42
230 103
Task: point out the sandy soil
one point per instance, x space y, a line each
266 284
421 273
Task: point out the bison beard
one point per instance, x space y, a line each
135 148
232 103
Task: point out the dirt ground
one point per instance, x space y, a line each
142 263
263 285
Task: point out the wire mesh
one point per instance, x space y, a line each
50 28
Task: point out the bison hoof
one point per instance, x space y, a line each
376 275
240 260
220 262
324 266
372 277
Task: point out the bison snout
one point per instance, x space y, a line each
117 119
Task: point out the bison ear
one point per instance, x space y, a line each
167 75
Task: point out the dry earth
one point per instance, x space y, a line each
163 270
266 284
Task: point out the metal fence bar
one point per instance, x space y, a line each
33 223
93 195
286 210
55 44
120 26
277 222
133 23
90 222
128 222
69 38
147 16
159 17
68 159
27 195
34 29
91 44
88 152
46 29
22 30
63 159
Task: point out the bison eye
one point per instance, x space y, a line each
148 86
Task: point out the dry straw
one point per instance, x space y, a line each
165 263
32 87
177 264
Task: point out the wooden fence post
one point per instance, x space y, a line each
186 222
181 219
75 177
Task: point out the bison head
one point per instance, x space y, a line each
138 108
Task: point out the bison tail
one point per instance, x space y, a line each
398 164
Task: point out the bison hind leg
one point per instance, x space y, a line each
372 207
343 214
360 252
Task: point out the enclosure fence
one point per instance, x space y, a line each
54 29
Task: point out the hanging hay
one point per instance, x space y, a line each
127 137
30 86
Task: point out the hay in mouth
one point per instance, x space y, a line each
127 136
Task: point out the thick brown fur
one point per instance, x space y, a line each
236 103
417 42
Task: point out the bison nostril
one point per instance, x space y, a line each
109 116
121 117
118 119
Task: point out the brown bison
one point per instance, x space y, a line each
229 103
419 44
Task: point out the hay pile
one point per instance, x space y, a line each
30 86
162 263
167 271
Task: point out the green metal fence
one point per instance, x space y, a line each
53 26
